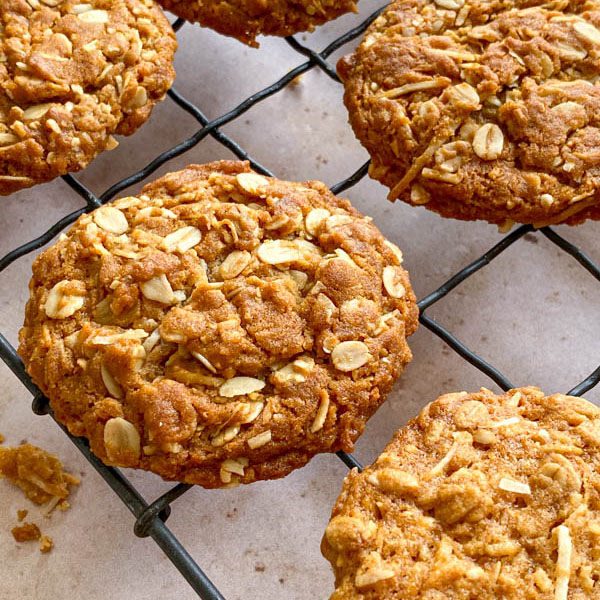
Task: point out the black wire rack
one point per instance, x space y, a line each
151 518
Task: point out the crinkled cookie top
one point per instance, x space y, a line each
71 74
220 328
482 110
480 496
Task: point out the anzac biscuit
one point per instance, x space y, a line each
244 20
72 74
480 496
220 328
482 110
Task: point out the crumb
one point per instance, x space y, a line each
259 568
1 438
281 580
38 473
531 238
26 532
46 544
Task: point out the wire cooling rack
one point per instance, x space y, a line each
150 518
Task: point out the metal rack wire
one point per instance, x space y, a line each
150 518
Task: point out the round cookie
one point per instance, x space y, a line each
480 496
72 74
246 19
482 110
220 328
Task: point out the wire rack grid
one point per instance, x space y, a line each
151 517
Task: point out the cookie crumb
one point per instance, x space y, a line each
21 514
26 532
1 438
46 544
38 473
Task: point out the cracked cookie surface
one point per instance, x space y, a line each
482 110
246 19
220 328
72 74
480 496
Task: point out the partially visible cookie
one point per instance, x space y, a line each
72 74
220 328
246 19
480 496
482 110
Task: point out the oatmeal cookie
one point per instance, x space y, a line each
482 110
72 74
220 328
480 496
244 20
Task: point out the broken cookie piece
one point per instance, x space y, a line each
39 474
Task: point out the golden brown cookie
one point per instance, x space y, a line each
479 497
72 74
246 19
482 110
220 328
